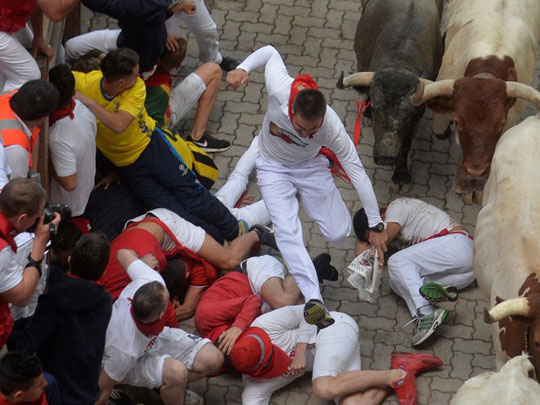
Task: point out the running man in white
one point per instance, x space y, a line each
297 124
279 346
439 262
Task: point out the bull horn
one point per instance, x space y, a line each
357 79
515 306
433 89
520 90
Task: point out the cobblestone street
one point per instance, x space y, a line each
316 37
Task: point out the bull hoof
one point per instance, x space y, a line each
478 197
400 188
457 188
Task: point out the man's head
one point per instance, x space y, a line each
63 80
90 256
120 68
174 275
21 377
89 62
361 226
22 202
149 302
308 110
255 355
63 242
34 101
171 60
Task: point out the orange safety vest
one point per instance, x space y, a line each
11 129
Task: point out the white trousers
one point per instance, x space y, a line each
101 40
202 25
447 260
322 202
17 66
336 350
236 184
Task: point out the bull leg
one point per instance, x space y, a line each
401 179
462 185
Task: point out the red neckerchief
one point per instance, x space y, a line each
300 83
61 113
159 78
152 328
7 231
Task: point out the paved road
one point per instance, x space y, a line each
316 37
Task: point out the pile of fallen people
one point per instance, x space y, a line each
94 296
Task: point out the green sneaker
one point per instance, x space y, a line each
315 313
434 292
427 325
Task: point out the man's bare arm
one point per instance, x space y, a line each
56 10
106 385
115 121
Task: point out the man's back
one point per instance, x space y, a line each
68 332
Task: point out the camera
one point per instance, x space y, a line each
49 210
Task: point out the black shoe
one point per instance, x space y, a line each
266 235
325 271
210 144
228 64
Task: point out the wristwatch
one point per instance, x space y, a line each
34 263
378 228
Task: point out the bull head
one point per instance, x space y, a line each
519 323
479 106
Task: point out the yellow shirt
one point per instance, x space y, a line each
125 148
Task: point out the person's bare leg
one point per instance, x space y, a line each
207 361
175 379
227 258
280 293
372 396
210 73
350 382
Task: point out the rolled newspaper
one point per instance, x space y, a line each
365 274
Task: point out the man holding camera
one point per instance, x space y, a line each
21 208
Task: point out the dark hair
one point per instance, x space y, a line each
35 99
90 256
148 301
119 63
310 104
17 370
21 196
174 275
173 59
361 225
64 81
67 234
88 62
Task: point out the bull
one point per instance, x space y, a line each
513 384
489 44
506 249
396 42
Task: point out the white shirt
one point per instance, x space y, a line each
5 170
72 143
17 157
124 342
277 125
418 219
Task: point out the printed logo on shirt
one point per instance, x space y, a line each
151 344
287 136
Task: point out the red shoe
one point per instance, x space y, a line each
417 363
405 389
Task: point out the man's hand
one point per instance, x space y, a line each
228 338
172 44
40 46
298 364
237 77
186 6
108 179
379 240
42 230
151 261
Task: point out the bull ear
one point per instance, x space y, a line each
441 105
